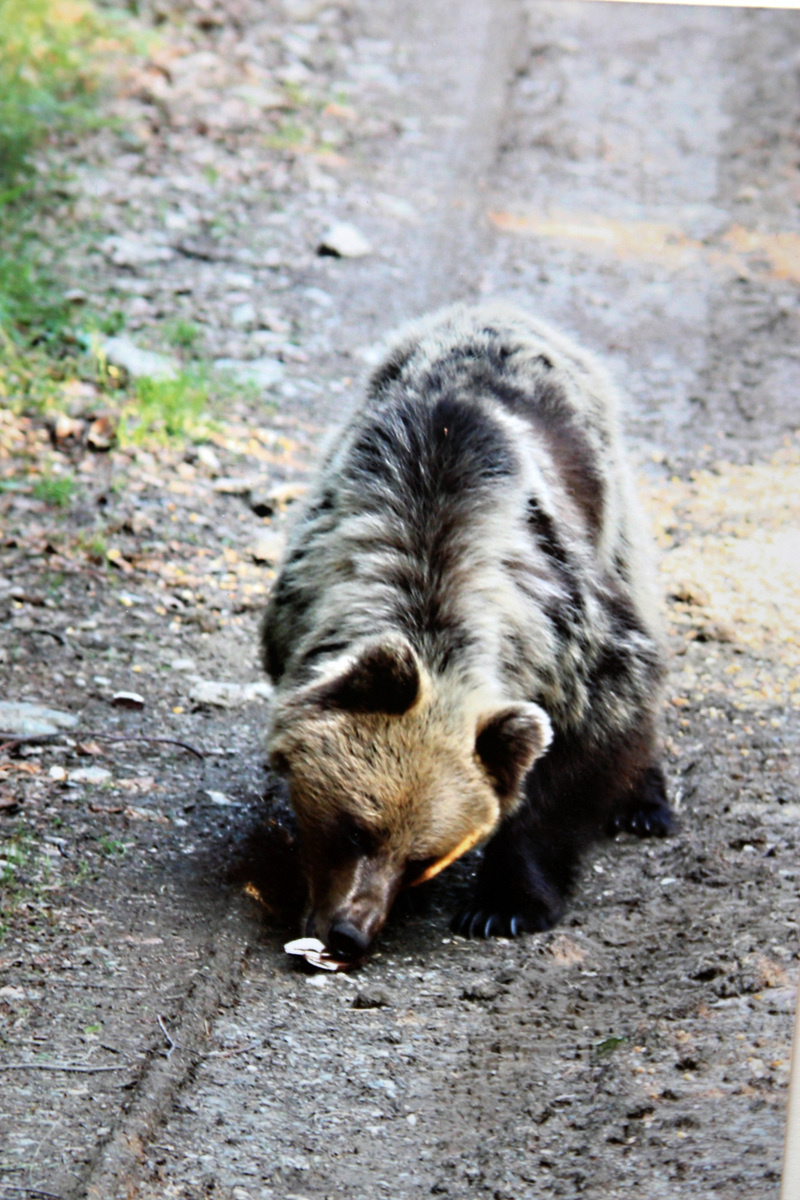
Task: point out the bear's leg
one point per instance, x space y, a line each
573 793
645 811
526 873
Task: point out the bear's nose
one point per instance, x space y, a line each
346 942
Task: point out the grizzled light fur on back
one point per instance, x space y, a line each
477 511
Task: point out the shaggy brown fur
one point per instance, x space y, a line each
463 635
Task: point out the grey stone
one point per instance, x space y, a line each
269 546
25 719
122 352
221 694
264 372
128 250
91 775
344 241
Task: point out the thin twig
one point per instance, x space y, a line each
77 1068
30 1191
59 637
237 1049
140 737
40 739
172 1044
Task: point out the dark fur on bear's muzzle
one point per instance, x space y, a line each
350 903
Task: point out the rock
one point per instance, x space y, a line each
220 799
243 316
183 664
102 432
271 318
24 719
129 250
266 501
269 547
66 428
130 700
372 355
91 775
261 502
344 241
395 206
237 485
221 694
687 591
303 10
263 372
479 989
262 98
375 997
287 493
209 459
122 352
318 296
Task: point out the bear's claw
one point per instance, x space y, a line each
485 923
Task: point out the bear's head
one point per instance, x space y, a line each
392 776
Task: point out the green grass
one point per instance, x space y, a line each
24 871
50 67
111 847
54 57
57 490
164 409
184 335
609 1045
33 313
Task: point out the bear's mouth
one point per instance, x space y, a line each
466 844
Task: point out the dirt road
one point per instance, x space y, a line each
630 173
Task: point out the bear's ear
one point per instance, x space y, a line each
509 741
384 678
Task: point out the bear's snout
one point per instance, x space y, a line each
346 942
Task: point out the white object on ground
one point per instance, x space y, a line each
314 952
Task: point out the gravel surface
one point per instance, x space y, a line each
626 171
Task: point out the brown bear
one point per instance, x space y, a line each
463 635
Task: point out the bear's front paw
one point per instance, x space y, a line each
644 820
486 921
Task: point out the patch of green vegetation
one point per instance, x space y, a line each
94 546
55 55
295 94
32 313
162 409
57 490
182 334
112 323
24 872
111 846
54 582
50 59
609 1045
287 135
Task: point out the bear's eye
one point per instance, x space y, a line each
355 838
